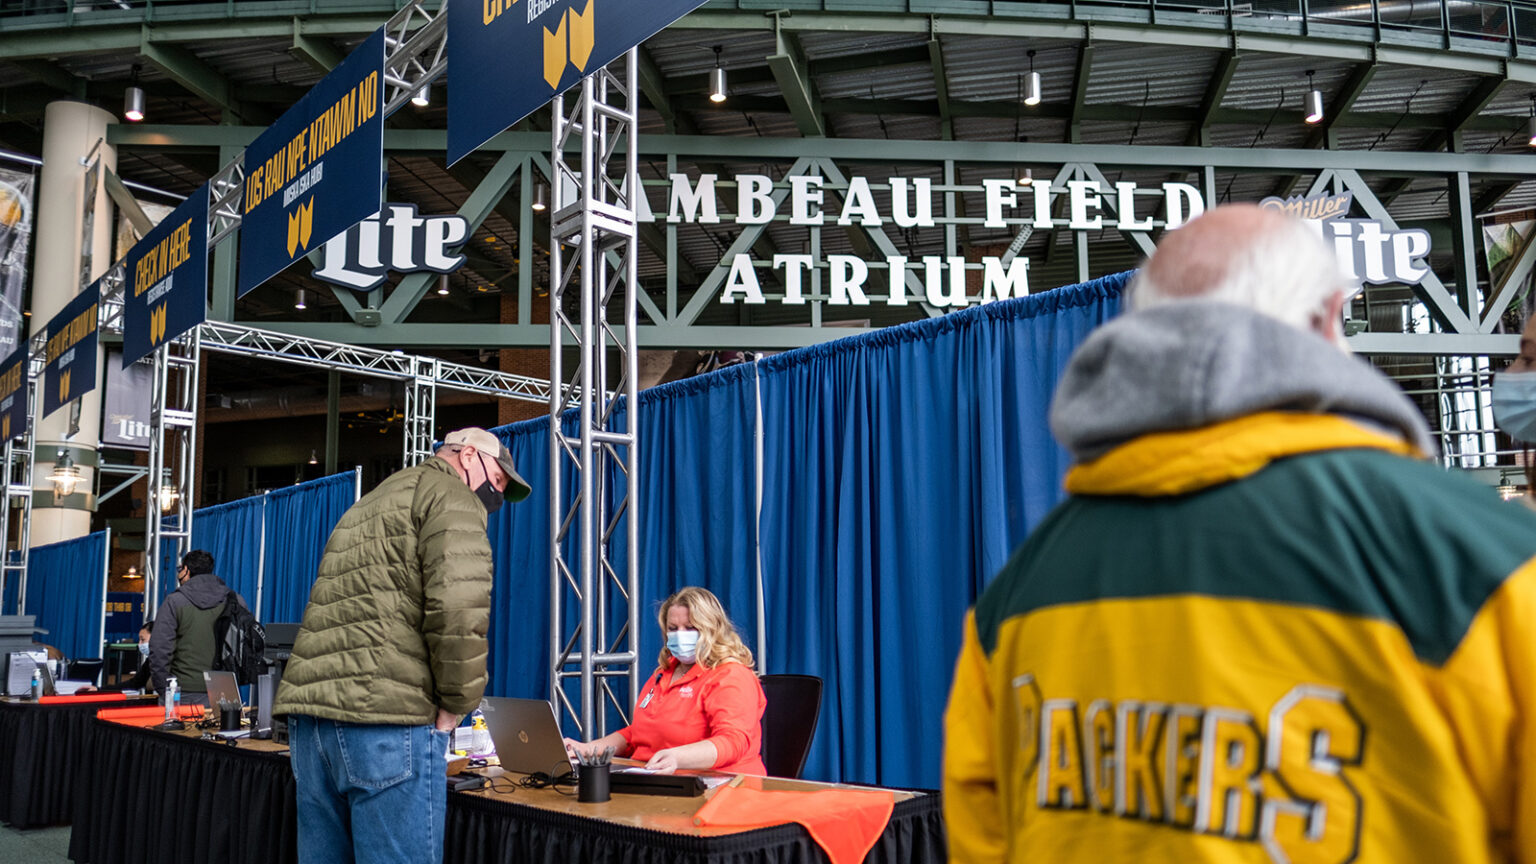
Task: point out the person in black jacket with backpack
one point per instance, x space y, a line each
183 644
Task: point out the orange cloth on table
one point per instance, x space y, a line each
147 716
77 698
723 705
845 823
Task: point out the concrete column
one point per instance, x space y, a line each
71 131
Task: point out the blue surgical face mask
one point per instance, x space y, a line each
1514 404
143 649
684 645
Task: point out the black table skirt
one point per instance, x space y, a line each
491 831
152 797
41 752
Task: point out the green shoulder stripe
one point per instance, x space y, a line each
1359 532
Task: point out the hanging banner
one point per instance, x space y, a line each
125 408
15 240
69 356
166 284
13 394
292 203
511 57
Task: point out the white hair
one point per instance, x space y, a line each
1287 272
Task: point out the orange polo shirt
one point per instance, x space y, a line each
723 705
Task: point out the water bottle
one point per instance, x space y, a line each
37 683
481 736
172 699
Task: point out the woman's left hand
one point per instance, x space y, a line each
663 762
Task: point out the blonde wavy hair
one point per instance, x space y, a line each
718 640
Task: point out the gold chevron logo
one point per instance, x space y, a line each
571 41
300 222
157 324
64 385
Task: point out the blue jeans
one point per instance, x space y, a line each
369 794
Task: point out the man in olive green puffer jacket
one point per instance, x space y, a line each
391 654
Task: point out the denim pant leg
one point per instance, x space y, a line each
396 780
325 829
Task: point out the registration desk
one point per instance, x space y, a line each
42 750
154 796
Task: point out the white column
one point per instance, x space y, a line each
71 131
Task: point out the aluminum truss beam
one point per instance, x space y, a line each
593 255
172 455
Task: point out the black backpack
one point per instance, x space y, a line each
239 641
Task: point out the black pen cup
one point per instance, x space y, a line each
592 783
229 719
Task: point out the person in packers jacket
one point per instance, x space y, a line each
703 708
1264 627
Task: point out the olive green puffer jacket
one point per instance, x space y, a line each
396 621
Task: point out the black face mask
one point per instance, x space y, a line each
486 492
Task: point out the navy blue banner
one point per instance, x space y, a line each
511 56
69 358
166 286
318 170
13 394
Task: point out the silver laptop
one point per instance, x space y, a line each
222 687
526 735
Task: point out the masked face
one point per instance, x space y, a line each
487 492
682 637
1514 404
143 649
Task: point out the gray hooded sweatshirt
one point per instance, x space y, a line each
1192 364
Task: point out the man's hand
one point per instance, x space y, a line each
446 722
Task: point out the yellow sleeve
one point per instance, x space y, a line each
972 814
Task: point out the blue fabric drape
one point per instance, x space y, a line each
231 533
67 591
299 521
900 469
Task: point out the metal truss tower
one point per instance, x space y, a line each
169 502
593 265
18 486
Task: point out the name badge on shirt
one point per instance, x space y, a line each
647 700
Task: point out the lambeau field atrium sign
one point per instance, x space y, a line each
1366 248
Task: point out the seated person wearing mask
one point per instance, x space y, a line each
142 680
1514 404
703 708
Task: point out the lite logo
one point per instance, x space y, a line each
403 242
157 324
1366 248
300 221
571 41
64 385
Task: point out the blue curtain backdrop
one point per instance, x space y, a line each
232 534
299 522
67 591
900 469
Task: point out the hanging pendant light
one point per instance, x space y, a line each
1032 82
1314 113
422 97
539 202
1026 176
1530 124
65 476
298 300
717 80
169 494
133 99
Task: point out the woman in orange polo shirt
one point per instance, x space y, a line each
703 708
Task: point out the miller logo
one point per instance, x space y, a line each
64 385
300 221
404 242
157 324
1319 208
579 31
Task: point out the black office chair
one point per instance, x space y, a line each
789 722
85 669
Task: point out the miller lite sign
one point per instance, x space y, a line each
394 239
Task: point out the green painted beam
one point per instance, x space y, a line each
126 202
186 69
53 75
317 51
653 86
1337 109
1210 101
941 88
1079 93
800 98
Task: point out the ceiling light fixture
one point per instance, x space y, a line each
133 99
717 80
539 204
65 475
422 97
1314 101
169 494
312 458
298 300
1530 125
1032 82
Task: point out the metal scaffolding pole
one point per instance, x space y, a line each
18 488
168 503
593 258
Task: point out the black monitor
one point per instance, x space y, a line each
280 636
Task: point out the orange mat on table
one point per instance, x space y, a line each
81 698
844 822
147 716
